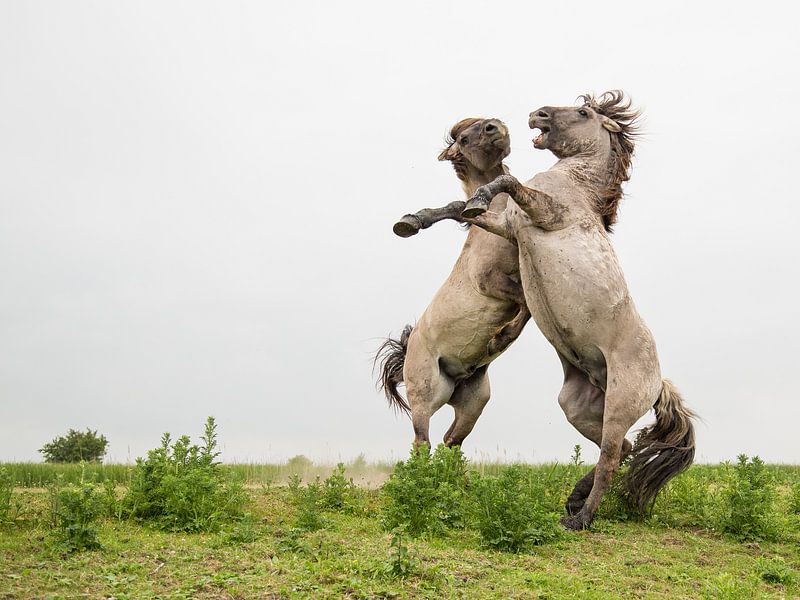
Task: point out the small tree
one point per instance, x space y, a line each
75 447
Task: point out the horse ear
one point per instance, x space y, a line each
610 124
451 152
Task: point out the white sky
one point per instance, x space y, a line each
196 203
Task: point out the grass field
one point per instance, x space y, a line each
678 552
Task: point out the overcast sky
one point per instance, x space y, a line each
196 205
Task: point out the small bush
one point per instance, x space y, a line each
76 446
686 501
509 514
775 571
309 501
340 493
794 500
748 502
6 493
298 465
75 510
426 493
400 564
181 487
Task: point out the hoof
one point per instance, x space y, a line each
407 226
475 207
575 522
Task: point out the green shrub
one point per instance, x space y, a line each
340 493
794 500
775 571
75 510
400 564
748 502
181 487
309 501
76 446
687 501
426 493
6 493
509 513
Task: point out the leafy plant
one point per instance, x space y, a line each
775 571
748 509
400 564
794 500
509 514
181 487
76 446
245 531
340 493
309 501
75 510
6 493
427 493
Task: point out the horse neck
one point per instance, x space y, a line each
475 178
590 169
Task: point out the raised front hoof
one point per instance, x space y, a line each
407 226
475 207
576 522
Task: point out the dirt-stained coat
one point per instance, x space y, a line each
478 311
577 294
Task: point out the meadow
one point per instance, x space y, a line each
438 527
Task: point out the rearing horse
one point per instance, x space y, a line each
479 310
576 292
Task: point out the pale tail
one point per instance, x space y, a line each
662 451
390 358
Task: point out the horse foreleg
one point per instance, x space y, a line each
410 224
542 208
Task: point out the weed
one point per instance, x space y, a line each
794 500
6 493
400 564
181 487
748 502
245 531
509 514
775 571
75 510
427 493
340 493
309 501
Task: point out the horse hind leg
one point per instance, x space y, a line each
427 388
626 400
583 404
468 401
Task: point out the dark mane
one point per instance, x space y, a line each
616 107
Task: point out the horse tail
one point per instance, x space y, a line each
390 358
662 450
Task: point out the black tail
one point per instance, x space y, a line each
661 451
391 356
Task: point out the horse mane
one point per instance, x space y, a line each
616 107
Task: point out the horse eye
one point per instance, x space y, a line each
583 113
464 140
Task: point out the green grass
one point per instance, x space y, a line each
676 553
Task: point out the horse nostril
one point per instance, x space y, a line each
543 114
490 128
